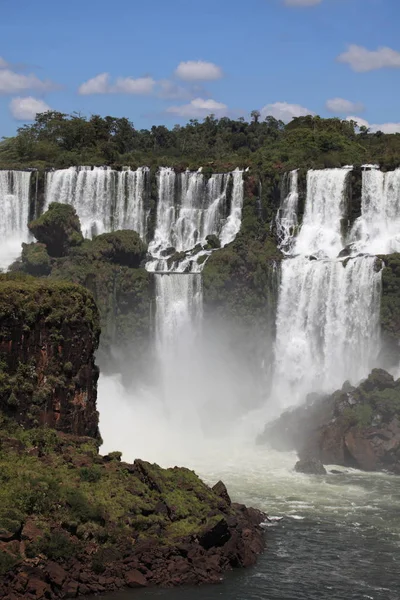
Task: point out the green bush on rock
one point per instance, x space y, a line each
35 259
58 228
120 247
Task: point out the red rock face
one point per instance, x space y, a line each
48 337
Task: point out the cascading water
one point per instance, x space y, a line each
321 231
190 208
328 309
377 230
14 203
105 200
327 325
286 218
179 307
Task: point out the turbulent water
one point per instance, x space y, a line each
377 230
190 208
14 203
328 308
327 325
105 200
340 536
321 233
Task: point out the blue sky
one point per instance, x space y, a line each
165 61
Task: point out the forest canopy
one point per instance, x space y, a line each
60 140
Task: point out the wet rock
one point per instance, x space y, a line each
215 536
135 579
221 491
360 449
310 466
212 242
55 574
70 589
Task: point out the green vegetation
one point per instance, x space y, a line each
59 140
240 281
108 266
375 399
58 229
390 303
35 259
91 511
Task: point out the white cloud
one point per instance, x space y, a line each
284 111
123 85
198 108
302 2
342 106
12 83
384 127
25 109
362 60
96 85
127 85
198 70
3 63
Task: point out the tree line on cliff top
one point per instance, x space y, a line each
60 140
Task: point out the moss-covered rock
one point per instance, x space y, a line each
49 332
120 247
58 228
74 516
355 426
124 299
35 259
390 308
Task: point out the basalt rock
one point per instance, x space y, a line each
355 427
310 466
109 524
49 332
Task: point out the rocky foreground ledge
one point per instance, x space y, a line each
71 521
75 523
355 427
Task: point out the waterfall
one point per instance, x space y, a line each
190 208
286 218
105 200
377 230
234 221
327 324
321 231
14 203
328 308
179 309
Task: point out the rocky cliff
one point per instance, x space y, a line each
49 332
354 427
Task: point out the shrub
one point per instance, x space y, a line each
90 474
55 545
58 228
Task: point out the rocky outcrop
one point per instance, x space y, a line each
49 332
58 229
110 267
310 466
355 427
103 524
